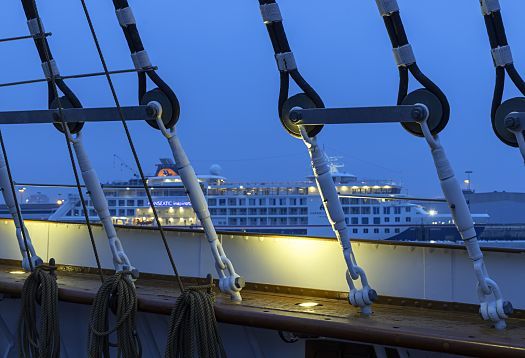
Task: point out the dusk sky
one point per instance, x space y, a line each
218 58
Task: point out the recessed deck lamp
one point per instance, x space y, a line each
308 304
17 272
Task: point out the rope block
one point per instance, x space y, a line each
285 61
404 55
125 17
502 56
271 13
387 7
50 69
489 6
141 60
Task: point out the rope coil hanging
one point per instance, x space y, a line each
160 120
117 294
187 339
40 289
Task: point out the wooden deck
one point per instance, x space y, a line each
435 326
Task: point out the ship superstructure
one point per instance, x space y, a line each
293 208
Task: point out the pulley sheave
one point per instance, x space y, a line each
436 121
516 104
170 115
74 128
300 100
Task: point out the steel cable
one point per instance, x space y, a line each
18 210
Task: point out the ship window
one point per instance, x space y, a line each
130 212
122 212
273 201
111 193
121 202
112 212
252 211
347 221
76 212
397 219
263 211
303 201
282 201
69 213
355 231
396 231
386 210
408 219
242 201
397 210
262 201
354 210
364 221
232 201
251 202
130 203
354 201
92 212
140 202
377 221
365 231
387 231
112 202
213 211
293 201
376 231
304 221
212 202
376 210
346 210
263 221
304 211
365 210
253 221
232 221
387 220
408 209
355 221
222 201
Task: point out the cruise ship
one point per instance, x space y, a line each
374 209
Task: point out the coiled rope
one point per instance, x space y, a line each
40 289
117 293
193 328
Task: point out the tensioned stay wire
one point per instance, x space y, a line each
13 190
67 135
131 144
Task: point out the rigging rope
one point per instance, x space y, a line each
29 258
503 63
271 14
49 67
492 305
40 289
117 293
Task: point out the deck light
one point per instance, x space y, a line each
432 212
308 304
17 272
60 202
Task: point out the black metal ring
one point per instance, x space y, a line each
300 100
436 121
74 128
158 95
516 104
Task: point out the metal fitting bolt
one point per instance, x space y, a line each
151 110
372 295
240 282
295 116
419 113
507 308
512 123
